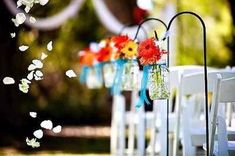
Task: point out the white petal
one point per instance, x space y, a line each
43 56
47 124
19 3
8 81
38 134
32 19
57 129
20 18
38 63
27 9
13 35
31 67
25 81
37 78
33 142
49 46
23 48
43 2
33 114
30 75
39 73
24 88
70 73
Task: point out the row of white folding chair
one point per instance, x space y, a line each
224 92
121 118
159 108
192 84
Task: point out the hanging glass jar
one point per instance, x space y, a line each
94 78
158 83
109 72
130 76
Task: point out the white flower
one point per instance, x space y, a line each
38 134
33 114
43 56
47 124
32 19
8 81
33 142
70 73
30 75
20 19
13 35
37 63
23 48
57 129
49 46
43 2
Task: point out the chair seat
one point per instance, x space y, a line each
198 135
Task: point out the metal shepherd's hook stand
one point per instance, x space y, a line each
166 37
205 74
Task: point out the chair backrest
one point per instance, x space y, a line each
194 83
224 92
227 90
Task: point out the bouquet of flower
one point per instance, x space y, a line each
155 71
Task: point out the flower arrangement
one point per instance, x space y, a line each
155 72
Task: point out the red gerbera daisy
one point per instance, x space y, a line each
149 52
104 54
119 41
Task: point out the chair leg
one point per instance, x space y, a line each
141 132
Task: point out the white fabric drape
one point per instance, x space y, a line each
105 16
49 23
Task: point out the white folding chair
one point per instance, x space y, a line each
224 92
159 108
192 84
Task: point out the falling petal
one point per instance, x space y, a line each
57 129
30 75
13 35
43 2
38 134
39 73
20 19
33 114
8 81
24 87
49 46
38 63
33 142
32 19
37 78
70 74
47 124
31 67
25 81
43 56
23 48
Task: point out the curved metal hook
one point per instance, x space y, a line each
126 26
205 68
148 19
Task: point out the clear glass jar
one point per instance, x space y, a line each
94 79
109 72
158 83
130 76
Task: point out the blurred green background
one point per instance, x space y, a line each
67 102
